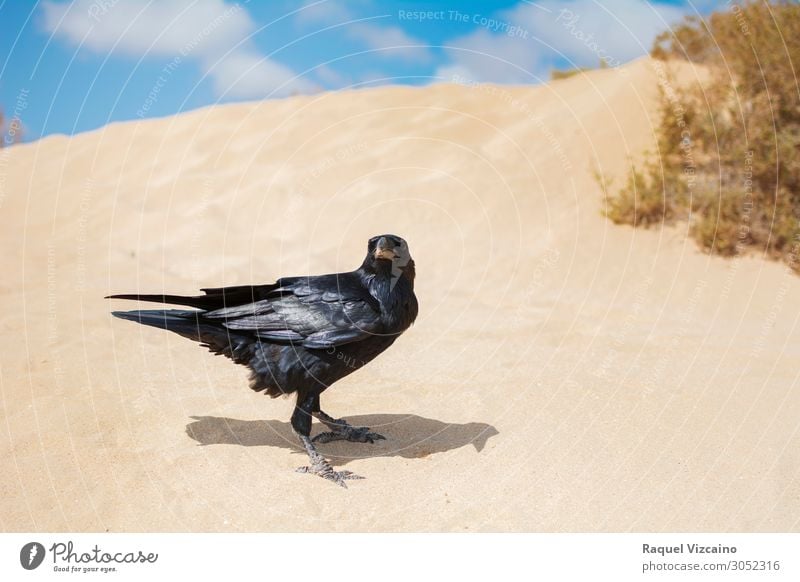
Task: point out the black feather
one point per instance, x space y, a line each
299 334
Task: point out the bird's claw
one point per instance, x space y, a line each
324 470
361 434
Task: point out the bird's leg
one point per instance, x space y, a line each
342 431
320 466
301 423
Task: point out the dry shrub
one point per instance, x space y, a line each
730 162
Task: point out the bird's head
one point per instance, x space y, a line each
389 254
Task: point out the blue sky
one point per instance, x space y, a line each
68 67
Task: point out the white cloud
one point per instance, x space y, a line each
389 41
322 11
492 58
212 32
456 74
244 74
530 37
624 29
331 78
138 27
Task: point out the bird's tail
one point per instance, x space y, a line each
182 322
201 302
212 298
216 338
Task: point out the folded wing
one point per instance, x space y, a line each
318 312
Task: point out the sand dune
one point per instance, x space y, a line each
565 374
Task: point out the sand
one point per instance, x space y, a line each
565 373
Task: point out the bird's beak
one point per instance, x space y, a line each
384 249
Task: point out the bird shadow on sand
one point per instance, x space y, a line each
407 435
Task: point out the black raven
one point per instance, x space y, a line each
302 334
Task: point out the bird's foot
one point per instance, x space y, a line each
323 468
320 466
361 434
340 430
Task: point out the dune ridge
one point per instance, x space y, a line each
565 374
